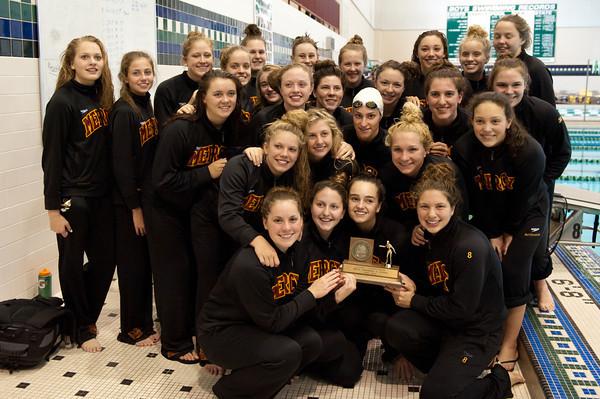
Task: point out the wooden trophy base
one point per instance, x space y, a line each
372 274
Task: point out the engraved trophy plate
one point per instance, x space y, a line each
360 263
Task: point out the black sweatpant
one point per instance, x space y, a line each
528 243
134 275
261 362
175 277
84 288
210 245
363 315
452 359
542 260
339 362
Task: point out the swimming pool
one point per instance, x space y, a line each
583 170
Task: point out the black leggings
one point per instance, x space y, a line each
261 362
175 275
135 275
528 243
452 360
84 287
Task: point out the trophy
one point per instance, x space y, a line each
360 263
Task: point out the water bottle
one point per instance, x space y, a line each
45 283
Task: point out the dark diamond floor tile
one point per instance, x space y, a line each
152 354
186 388
58 357
112 364
23 385
82 393
69 374
126 382
168 371
112 314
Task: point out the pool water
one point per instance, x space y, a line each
583 170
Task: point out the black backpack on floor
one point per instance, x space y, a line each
31 330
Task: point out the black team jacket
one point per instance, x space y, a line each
465 281
76 155
503 190
134 138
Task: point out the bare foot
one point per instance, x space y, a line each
148 341
92 346
545 300
508 358
516 377
155 337
190 356
213 369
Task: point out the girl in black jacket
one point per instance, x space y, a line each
294 83
473 54
77 181
134 134
390 79
176 92
236 61
353 61
544 123
453 333
504 169
447 121
410 142
363 316
329 91
512 36
189 160
250 322
244 185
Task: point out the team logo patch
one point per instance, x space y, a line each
285 284
252 202
406 200
437 274
148 129
204 155
94 120
318 268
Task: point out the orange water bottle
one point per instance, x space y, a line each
45 283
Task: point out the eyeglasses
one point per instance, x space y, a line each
368 104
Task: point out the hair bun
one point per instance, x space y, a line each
297 118
252 30
477 31
411 113
441 172
324 64
356 39
194 34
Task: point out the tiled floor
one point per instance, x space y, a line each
124 371
563 346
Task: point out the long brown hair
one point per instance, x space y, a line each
66 73
126 62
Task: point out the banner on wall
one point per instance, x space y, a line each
540 17
263 18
